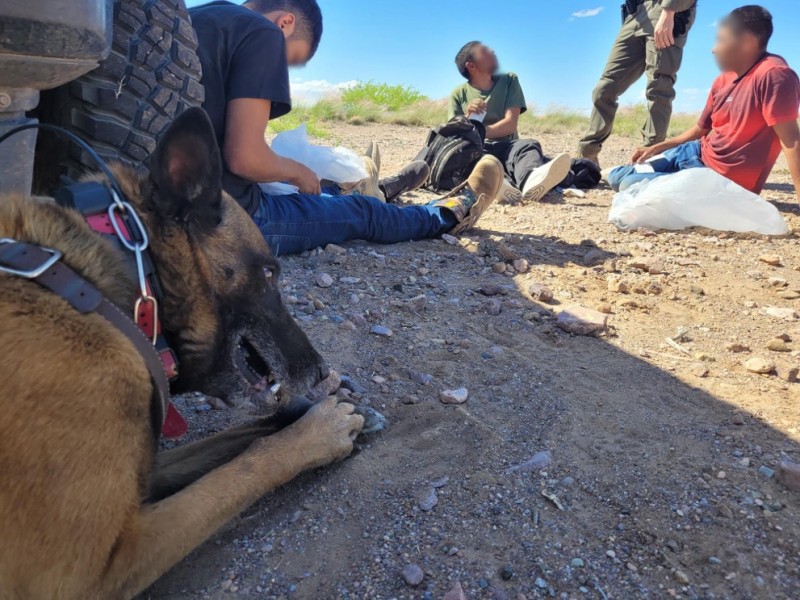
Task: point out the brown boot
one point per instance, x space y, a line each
469 200
368 186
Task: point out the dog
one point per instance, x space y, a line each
88 508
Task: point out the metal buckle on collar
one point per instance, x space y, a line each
55 256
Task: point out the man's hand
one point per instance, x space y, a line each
476 107
664 28
305 179
644 154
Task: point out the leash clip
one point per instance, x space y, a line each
55 256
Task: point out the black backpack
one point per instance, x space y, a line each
451 151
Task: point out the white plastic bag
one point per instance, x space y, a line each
695 198
339 165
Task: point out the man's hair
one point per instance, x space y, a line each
753 19
309 17
464 56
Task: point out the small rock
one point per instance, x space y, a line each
457 396
577 563
323 280
611 554
713 560
737 347
492 306
737 419
787 314
506 573
618 286
521 265
700 370
350 384
777 282
499 267
605 308
416 304
335 250
787 373
541 293
721 475
652 264
771 259
540 460
681 577
766 471
789 475
789 295
455 593
493 290
428 499
419 377
610 266
350 280
347 326
449 239
413 575
540 583
759 365
724 510
381 331
580 320
778 345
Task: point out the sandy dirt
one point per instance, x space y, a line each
660 483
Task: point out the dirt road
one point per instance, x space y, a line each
662 453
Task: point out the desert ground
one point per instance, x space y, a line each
661 479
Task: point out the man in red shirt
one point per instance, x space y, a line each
751 114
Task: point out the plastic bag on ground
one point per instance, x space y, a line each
339 165
695 198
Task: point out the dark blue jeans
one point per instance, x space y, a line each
299 222
680 158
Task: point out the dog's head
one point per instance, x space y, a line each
222 306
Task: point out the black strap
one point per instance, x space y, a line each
85 298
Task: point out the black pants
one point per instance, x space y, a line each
519 158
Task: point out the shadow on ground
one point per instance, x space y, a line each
658 480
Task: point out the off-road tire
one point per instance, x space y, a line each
151 75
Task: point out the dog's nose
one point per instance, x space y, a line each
324 371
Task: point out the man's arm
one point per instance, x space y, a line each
454 109
505 126
789 134
643 154
247 153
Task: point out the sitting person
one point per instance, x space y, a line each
750 115
497 99
245 52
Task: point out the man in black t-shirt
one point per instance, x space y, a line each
245 52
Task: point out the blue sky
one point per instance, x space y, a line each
558 48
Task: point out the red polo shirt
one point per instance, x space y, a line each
741 112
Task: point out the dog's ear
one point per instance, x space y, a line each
186 172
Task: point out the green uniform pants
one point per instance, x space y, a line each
635 53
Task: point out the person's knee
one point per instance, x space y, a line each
605 92
661 88
617 176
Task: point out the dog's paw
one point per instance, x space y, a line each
327 431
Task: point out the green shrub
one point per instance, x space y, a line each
382 95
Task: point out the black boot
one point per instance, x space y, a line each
412 177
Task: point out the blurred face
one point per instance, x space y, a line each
297 52
483 60
735 50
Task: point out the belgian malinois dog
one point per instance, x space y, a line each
88 508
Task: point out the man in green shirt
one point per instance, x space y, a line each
497 100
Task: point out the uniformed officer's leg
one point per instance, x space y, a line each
625 65
662 73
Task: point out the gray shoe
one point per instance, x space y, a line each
412 177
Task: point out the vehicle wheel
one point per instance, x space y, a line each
151 75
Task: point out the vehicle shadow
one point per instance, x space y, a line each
655 477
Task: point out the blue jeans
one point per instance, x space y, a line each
685 156
300 222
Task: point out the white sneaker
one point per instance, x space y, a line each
545 178
509 193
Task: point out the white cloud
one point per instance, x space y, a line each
588 12
309 92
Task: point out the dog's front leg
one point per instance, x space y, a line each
165 532
177 468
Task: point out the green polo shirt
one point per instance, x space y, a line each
505 93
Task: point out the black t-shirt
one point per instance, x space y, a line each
243 55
